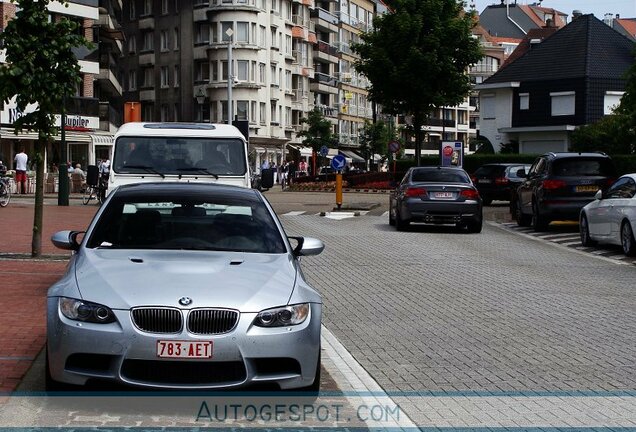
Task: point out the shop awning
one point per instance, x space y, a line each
304 150
352 155
71 137
102 139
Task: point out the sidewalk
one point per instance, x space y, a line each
25 280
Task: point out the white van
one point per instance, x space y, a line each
183 152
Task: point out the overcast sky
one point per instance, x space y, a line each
625 8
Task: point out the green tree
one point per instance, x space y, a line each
40 68
611 134
318 133
374 139
416 58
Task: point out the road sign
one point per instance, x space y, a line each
324 151
394 146
338 162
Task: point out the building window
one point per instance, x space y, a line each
148 77
175 113
176 9
133 11
611 101
148 108
242 32
261 73
215 70
563 103
203 112
177 76
132 80
202 33
214 112
147 10
132 45
164 7
202 69
164 113
262 37
224 70
273 112
263 113
176 38
164 40
488 106
225 26
241 110
224 111
165 77
253 112
273 32
524 101
148 41
274 77
242 68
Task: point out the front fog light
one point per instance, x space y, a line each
80 310
283 316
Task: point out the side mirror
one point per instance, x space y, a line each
66 240
521 173
598 195
308 246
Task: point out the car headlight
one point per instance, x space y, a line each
80 310
283 316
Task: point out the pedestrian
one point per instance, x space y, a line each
283 174
291 172
104 174
265 165
21 160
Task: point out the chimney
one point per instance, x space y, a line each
609 19
576 14
618 16
534 42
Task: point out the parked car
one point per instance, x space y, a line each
184 286
498 181
559 185
436 195
611 217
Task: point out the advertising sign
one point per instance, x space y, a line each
452 153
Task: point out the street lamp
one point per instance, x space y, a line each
230 78
200 96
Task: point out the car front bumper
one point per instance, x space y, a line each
120 352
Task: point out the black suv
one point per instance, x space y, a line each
559 185
498 181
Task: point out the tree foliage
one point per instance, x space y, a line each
40 68
611 134
416 57
318 132
627 107
374 139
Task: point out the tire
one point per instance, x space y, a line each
522 219
88 195
400 224
584 230
5 197
539 223
628 242
474 227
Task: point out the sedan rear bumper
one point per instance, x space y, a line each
440 212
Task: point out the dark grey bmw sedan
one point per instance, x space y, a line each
436 195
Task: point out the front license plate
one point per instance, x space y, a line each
587 188
484 181
184 349
445 195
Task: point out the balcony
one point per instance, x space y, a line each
109 118
109 81
147 95
147 23
483 69
440 122
234 5
327 111
86 107
323 78
326 48
344 47
147 58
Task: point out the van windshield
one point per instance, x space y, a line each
179 156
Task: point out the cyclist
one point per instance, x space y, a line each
104 173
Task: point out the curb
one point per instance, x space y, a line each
369 191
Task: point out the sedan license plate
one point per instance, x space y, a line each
184 349
484 181
443 195
586 188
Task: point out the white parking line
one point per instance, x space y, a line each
385 214
294 213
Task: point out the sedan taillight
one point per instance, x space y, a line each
554 184
414 192
471 194
502 181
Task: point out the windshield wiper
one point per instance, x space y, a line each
147 168
201 170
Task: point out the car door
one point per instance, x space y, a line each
622 197
526 190
598 213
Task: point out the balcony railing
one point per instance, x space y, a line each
324 15
326 48
324 78
109 114
484 68
326 110
440 122
299 95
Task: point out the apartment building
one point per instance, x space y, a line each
82 122
176 63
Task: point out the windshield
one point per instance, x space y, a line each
179 156
216 224
439 176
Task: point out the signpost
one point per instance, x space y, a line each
338 163
394 147
452 153
324 151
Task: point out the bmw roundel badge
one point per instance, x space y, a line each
185 301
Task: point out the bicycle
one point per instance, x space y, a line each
97 192
5 191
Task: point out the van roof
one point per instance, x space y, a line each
179 129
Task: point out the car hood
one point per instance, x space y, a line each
122 279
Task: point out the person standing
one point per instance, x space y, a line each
104 174
21 160
291 172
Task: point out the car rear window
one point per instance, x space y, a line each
490 171
439 176
583 167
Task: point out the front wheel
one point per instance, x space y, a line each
627 239
88 195
584 230
5 197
